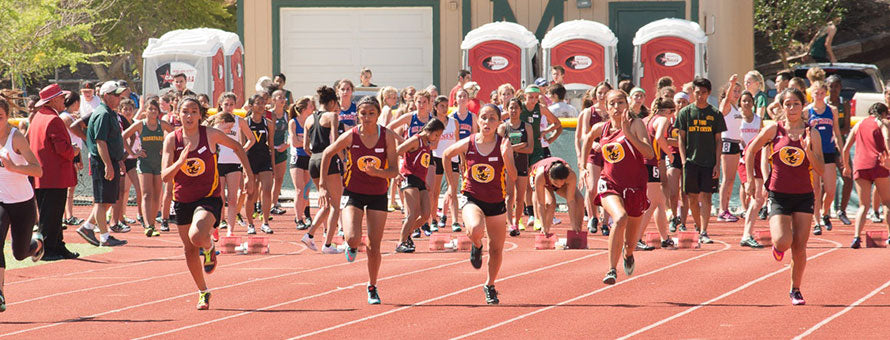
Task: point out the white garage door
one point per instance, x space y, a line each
321 45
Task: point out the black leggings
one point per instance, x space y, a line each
22 217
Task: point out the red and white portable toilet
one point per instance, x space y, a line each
234 68
498 53
195 53
585 49
669 47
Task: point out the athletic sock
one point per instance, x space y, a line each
104 237
310 236
306 212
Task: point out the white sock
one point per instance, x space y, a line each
104 237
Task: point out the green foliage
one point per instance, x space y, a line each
783 20
38 36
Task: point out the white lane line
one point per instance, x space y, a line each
443 296
726 246
731 292
842 312
81 272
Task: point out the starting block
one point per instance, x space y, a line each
545 242
464 243
652 239
687 240
438 241
576 239
257 245
876 239
227 244
763 237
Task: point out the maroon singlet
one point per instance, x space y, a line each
673 133
544 166
595 157
623 167
790 172
197 178
869 144
359 158
650 130
416 162
484 177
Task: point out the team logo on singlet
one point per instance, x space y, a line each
482 173
675 133
791 156
425 160
193 167
613 152
366 162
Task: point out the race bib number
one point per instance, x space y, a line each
601 185
655 172
343 200
727 146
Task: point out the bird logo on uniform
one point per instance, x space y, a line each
613 152
425 160
482 173
366 162
791 156
193 167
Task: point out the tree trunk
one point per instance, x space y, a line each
784 54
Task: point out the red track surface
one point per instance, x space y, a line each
722 290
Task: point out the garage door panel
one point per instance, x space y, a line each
393 56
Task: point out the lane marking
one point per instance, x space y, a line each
731 292
842 312
726 246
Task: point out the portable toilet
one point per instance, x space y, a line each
192 52
669 47
234 68
585 49
498 53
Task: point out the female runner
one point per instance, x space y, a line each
371 149
591 167
299 160
488 157
434 178
416 152
750 127
190 166
151 132
870 163
279 167
657 126
260 156
676 200
731 147
622 187
795 147
824 118
388 97
228 164
518 132
321 127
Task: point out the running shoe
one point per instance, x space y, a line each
329 250
530 221
301 225
592 225
629 265
682 227
538 225
240 220
416 233
606 229
797 298
165 226
455 227
159 219
476 256
434 227
2 302
817 230
266 229
750 242
120 228
140 220
88 234
251 230
151 231
514 230
842 216
491 295
373 297
875 217
778 255
704 239
277 210
726 216
203 300
404 247
857 243
350 253
556 221
128 220
68 221
307 240
209 259
215 235
37 241
443 221
826 221
643 246
672 226
426 229
611 277
763 214
112 242
668 243
223 224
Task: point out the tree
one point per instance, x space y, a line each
784 20
134 22
39 36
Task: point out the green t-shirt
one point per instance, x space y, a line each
760 100
700 125
104 125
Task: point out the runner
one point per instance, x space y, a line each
870 164
548 177
190 165
416 155
731 140
434 178
321 129
794 148
229 166
151 131
843 118
465 119
279 118
750 127
347 107
518 132
637 107
676 199
411 123
657 126
18 210
299 160
365 180
488 157
126 112
622 187
261 156
591 167
754 84
533 112
72 103
824 118
388 96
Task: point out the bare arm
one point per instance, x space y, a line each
814 151
170 165
399 122
587 144
639 138
757 143
726 106
392 158
78 127
306 125
20 145
553 120
408 145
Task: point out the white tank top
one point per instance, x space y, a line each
74 139
16 188
449 137
749 130
733 123
544 125
226 155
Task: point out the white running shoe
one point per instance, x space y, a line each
330 250
308 242
556 221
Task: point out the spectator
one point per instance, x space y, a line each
462 78
51 144
106 148
433 91
664 82
72 103
472 90
88 99
280 80
558 73
365 78
180 83
820 47
128 93
626 85
560 108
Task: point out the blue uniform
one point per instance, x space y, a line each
465 126
300 132
348 117
416 125
824 123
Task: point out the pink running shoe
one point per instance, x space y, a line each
726 216
778 255
797 298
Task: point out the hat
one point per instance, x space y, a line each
681 95
87 85
541 82
472 86
635 90
111 86
123 83
262 83
48 93
532 89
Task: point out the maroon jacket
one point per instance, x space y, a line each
51 144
